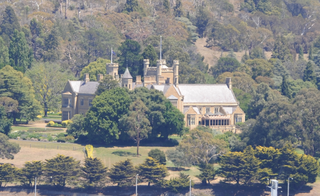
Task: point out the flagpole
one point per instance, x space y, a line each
160 48
111 55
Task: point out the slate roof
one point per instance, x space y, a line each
127 74
84 88
229 110
162 88
186 108
206 93
172 97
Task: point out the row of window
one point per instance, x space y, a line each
216 110
67 102
191 120
89 102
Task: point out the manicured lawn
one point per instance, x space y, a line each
20 128
110 155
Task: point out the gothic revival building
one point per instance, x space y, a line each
212 105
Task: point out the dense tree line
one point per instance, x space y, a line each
62 171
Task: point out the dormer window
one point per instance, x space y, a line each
207 110
216 110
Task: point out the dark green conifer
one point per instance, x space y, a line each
310 53
20 54
301 53
178 11
309 74
9 24
285 87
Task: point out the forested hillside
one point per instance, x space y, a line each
44 43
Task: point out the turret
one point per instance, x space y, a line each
176 72
127 79
159 71
146 64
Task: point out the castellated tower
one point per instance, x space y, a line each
112 69
176 72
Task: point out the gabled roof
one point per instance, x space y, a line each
172 97
84 88
207 93
229 110
127 74
187 108
162 87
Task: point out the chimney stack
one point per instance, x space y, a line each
229 83
99 77
138 80
86 78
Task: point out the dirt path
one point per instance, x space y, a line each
211 56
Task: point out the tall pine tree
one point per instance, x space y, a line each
178 11
20 54
150 53
51 46
285 87
9 24
309 74
310 53
202 19
301 53
4 54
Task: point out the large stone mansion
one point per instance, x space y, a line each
213 105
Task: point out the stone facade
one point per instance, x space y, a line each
213 105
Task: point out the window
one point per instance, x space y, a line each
81 102
207 110
237 118
90 102
65 101
200 110
216 110
65 115
191 119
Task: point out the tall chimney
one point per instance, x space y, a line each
229 83
86 78
99 77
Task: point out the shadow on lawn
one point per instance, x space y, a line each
177 169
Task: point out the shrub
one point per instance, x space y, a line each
61 139
158 155
65 123
69 138
178 184
50 124
39 117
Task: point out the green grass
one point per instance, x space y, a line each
20 128
299 151
49 145
177 137
109 156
